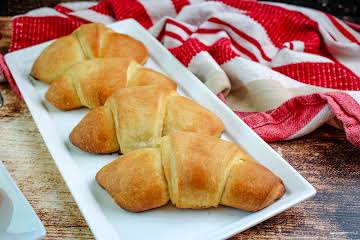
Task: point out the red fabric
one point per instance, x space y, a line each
179 4
28 31
104 7
298 111
221 51
243 35
282 25
6 73
131 9
62 9
293 115
188 50
342 29
348 112
330 75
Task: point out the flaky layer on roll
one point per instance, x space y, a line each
89 41
137 117
193 171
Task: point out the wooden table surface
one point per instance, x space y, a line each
324 158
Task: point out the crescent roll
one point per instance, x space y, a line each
136 117
191 170
89 41
89 83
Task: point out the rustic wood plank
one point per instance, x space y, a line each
324 157
5 33
68 233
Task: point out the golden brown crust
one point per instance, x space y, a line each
99 136
139 114
251 186
200 172
199 164
62 94
121 45
54 60
183 114
146 76
96 79
136 180
88 41
89 37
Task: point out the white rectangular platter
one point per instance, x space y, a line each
105 218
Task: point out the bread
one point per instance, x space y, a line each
193 171
89 83
136 117
89 41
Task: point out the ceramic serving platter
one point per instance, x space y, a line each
108 221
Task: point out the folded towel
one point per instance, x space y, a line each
285 70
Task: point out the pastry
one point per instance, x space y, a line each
193 171
89 83
89 41
137 117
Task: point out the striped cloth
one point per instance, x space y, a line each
285 70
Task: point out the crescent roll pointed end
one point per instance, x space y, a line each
251 186
57 58
136 180
95 133
62 94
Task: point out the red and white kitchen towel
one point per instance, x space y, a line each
285 70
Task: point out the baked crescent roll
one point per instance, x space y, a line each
89 83
89 41
193 171
137 117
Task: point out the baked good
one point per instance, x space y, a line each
89 83
193 171
89 41
136 117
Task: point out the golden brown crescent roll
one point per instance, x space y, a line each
89 83
193 171
136 117
89 41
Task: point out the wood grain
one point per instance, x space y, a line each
5 33
325 158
